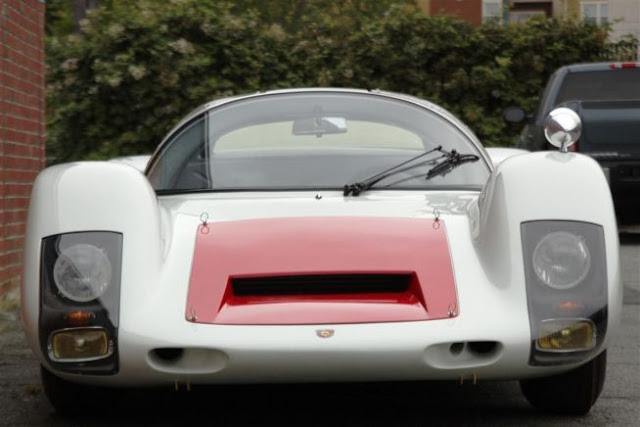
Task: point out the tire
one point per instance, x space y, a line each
70 399
572 392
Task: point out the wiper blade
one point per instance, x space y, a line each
358 187
448 162
451 161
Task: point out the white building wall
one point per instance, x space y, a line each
625 17
627 12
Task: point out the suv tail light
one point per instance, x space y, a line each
621 65
574 148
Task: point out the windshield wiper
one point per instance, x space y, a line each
358 187
450 160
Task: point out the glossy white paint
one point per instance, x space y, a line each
139 162
500 154
92 196
542 185
159 236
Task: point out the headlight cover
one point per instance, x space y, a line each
80 291
561 260
567 288
82 272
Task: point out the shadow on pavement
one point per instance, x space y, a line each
415 403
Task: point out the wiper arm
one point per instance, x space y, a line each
358 187
451 161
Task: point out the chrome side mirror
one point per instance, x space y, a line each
562 128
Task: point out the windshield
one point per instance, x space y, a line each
309 140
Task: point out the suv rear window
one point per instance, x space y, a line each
606 85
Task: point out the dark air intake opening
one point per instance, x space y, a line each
321 284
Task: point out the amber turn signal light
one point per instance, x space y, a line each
566 335
569 307
79 318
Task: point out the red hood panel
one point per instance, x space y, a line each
312 246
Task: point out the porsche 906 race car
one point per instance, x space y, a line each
325 235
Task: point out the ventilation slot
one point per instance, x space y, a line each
321 284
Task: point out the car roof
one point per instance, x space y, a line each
221 101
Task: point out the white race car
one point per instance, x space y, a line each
320 235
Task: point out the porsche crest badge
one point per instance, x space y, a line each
325 333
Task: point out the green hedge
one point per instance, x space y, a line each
138 67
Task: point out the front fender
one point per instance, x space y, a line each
93 196
543 186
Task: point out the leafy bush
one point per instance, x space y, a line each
138 67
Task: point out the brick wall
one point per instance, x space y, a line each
469 10
21 125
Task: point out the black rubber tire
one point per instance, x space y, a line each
572 392
71 399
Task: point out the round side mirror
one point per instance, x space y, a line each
514 114
562 128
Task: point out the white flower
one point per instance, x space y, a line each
182 46
148 14
277 32
84 25
70 64
114 81
115 30
137 71
207 28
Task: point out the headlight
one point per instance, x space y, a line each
565 268
80 275
82 272
561 260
